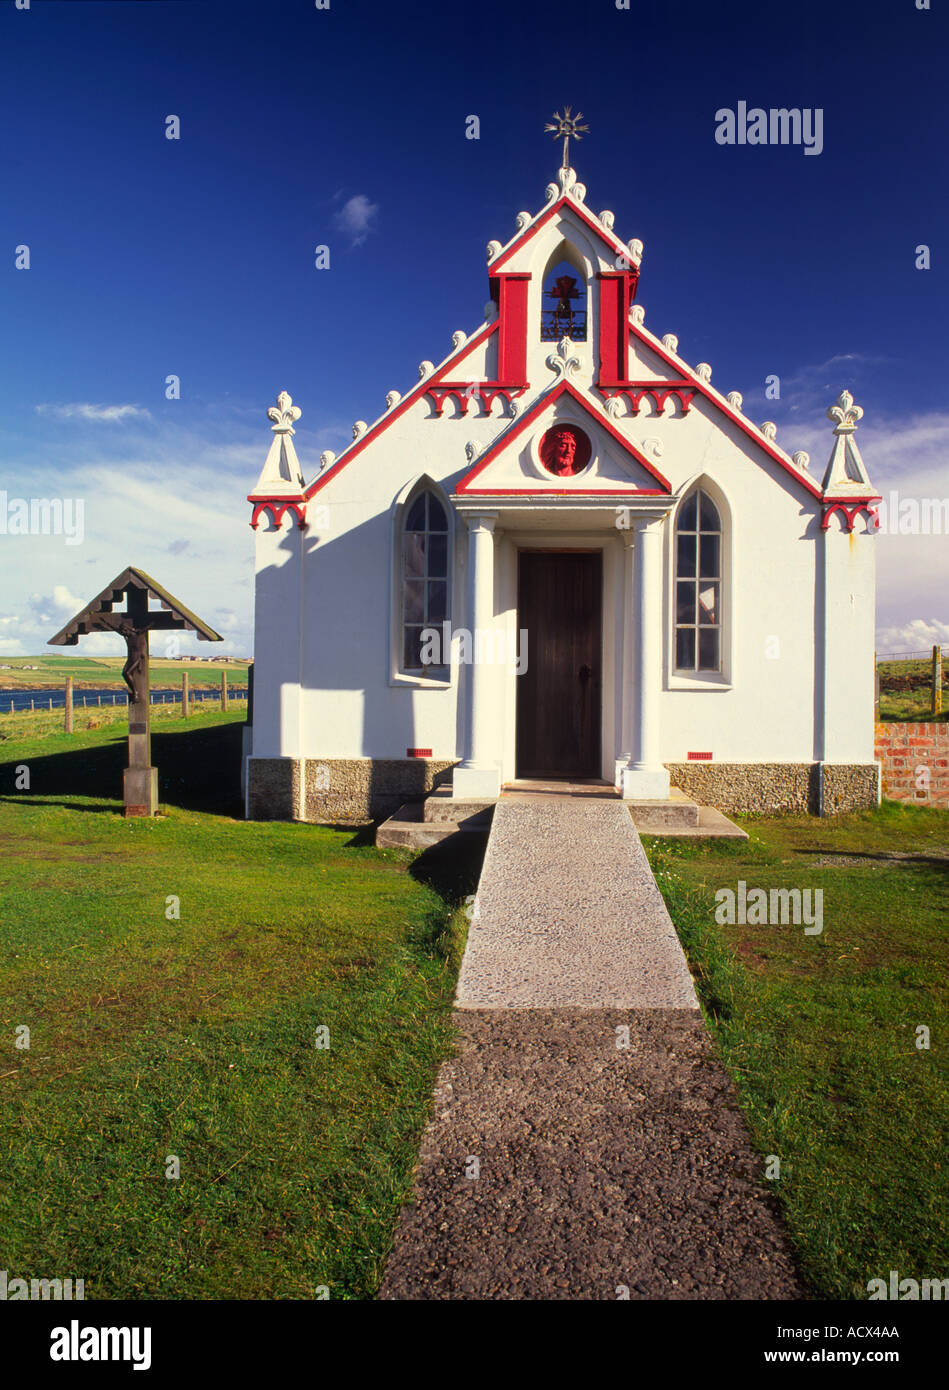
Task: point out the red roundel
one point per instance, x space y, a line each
565 451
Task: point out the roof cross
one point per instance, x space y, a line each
567 126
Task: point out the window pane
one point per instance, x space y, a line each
708 603
437 601
413 549
437 520
685 553
437 556
709 514
415 521
685 649
686 521
710 556
685 602
414 599
708 649
411 654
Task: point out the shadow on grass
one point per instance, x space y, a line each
198 770
452 869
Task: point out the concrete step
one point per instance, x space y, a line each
675 810
441 806
712 825
408 829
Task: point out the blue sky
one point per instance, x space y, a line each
346 127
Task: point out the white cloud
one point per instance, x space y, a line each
356 218
82 410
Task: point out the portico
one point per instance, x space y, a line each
598 666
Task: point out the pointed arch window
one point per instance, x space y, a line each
698 585
425 584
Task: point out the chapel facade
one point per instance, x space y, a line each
562 553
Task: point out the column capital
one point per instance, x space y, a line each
481 521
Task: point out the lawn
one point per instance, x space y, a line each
91 672
176 976
819 1032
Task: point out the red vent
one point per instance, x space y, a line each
425 753
699 757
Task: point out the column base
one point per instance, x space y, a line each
140 785
645 784
478 783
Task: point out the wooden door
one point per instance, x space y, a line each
558 696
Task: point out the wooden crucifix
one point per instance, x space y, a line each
134 623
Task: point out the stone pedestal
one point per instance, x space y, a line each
140 785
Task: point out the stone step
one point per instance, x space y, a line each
441 806
408 829
674 810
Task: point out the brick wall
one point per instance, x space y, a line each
915 762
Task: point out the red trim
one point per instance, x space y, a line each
594 223
615 289
417 391
418 752
277 510
512 325
538 409
465 392
851 510
705 390
659 390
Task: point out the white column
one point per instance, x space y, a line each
644 777
629 618
479 774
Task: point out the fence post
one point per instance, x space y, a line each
184 694
223 690
936 701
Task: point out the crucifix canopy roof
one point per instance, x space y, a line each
98 615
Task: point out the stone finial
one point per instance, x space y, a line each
326 458
734 399
638 314
802 458
425 369
770 430
704 371
281 475
846 473
846 415
671 342
392 398
457 338
284 414
521 220
607 219
635 249
471 451
359 428
493 250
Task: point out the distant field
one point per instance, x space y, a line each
107 670
905 691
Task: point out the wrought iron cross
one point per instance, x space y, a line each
567 126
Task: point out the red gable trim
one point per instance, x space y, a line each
539 407
415 394
594 223
726 409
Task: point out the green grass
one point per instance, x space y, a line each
819 1032
913 706
155 1035
107 671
